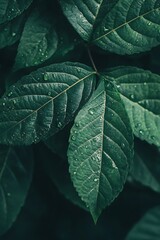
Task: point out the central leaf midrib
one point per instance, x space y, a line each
49 102
126 23
100 170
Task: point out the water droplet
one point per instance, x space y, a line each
105 29
141 132
73 138
91 112
74 173
96 180
59 125
3 104
14 101
138 125
118 86
78 70
153 137
132 96
77 124
13 34
122 145
10 94
144 83
45 76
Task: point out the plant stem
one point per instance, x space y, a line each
91 59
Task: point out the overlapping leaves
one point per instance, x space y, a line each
9 9
139 91
84 15
148 227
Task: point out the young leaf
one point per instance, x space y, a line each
43 102
148 227
9 9
16 166
10 32
146 166
139 91
100 149
84 15
130 27
43 43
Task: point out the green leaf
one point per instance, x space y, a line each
100 149
43 102
9 9
43 43
84 15
148 227
10 32
130 27
58 165
16 167
139 91
57 169
146 166
58 143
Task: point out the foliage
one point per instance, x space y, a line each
80 105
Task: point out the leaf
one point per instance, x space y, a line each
146 166
10 9
10 32
42 45
58 166
130 27
84 15
43 102
55 168
16 167
148 227
100 149
58 143
139 91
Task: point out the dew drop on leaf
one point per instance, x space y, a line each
153 137
122 145
91 112
96 180
77 124
59 125
132 96
45 77
141 132
10 94
138 125
13 34
105 29
73 138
